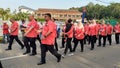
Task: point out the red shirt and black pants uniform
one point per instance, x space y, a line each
69 35
79 37
5 32
14 35
92 34
117 33
109 33
31 38
102 34
47 43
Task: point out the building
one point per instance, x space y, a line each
25 9
59 14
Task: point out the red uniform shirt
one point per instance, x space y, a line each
86 28
92 29
37 28
103 30
5 29
33 32
14 27
109 29
50 39
79 33
97 28
117 28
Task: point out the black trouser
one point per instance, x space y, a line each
117 38
44 49
12 37
89 39
56 45
95 38
23 35
104 40
92 41
86 39
1 65
38 38
68 45
76 43
109 39
30 42
63 42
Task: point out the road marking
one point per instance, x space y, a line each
13 57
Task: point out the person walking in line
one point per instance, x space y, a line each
92 33
109 33
79 36
14 34
38 27
5 32
117 32
56 45
22 27
63 35
68 36
102 33
86 27
30 36
48 40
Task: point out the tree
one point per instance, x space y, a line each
4 13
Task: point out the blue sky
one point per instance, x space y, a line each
57 4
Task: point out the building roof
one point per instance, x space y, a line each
24 7
57 11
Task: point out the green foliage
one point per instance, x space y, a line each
97 11
20 16
40 20
4 13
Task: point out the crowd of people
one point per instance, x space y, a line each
86 33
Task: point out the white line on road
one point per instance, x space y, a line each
13 57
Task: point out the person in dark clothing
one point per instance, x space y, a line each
68 36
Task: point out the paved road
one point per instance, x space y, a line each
101 57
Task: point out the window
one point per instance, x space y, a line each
69 15
65 15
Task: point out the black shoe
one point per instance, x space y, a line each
40 63
59 59
81 50
26 53
8 49
33 54
22 47
98 45
91 48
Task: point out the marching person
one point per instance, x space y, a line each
79 36
86 27
14 34
56 45
117 32
92 33
109 33
63 35
5 32
30 36
48 40
37 30
68 37
102 33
